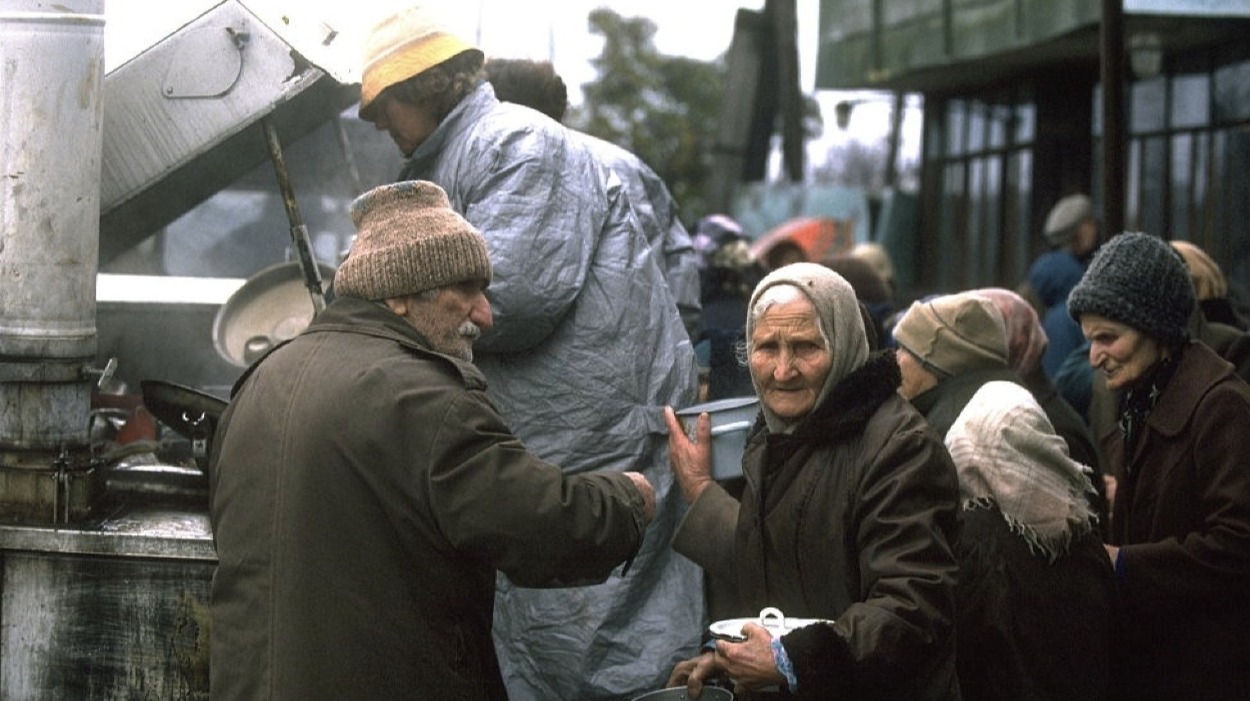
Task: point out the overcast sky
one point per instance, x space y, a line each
544 29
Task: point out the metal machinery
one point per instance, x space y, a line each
105 555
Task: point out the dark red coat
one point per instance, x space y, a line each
1182 517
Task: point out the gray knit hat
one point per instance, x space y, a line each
1139 280
409 239
954 333
1064 216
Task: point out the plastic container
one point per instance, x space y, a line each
732 419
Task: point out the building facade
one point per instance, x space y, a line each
1014 121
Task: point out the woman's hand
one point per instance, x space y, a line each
692 672
691 460
749 664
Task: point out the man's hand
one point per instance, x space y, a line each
648 495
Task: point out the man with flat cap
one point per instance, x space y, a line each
364 490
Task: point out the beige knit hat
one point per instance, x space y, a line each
409 239
954 333
403 45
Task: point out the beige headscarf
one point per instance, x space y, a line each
1209 280
841 324
1026 339
1007 453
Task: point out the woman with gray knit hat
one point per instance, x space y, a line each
1180 525
848 513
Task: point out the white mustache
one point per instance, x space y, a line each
469 330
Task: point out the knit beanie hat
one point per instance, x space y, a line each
403 45
954 333
841 323
1139 280
409 240
1066 214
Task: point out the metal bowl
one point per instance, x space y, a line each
678 693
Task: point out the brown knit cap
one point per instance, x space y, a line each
954 333
409 239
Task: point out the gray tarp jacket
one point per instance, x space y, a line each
587 348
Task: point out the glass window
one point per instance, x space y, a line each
1026 122
1154 161
1191 100
976 126
1016 233
956 118
1001 117
991 213
1147 106
1182 177
1232 92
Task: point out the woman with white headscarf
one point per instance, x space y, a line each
1035 592
848 514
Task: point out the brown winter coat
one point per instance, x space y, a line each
1182 517
853 517
364 493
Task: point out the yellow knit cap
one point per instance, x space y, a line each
401 46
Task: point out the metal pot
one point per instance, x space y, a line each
678 693
732 419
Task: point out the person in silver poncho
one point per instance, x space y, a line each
587 346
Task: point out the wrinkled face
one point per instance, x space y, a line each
408 125
1120 352
451 319
789 358
916 377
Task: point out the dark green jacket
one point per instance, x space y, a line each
364 492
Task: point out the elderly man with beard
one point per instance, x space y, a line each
365 491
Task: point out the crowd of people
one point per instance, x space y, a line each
467 479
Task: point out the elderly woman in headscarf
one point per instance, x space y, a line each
1180 525
1026 342
1035 591
848 515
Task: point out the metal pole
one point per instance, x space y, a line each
299 232
1113 122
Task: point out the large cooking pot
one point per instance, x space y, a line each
189 412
